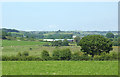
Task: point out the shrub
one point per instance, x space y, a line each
114 55
19 54
30 48
56 55
25 53
78 57
75 57
106 56
65 54
45 55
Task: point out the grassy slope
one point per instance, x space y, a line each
60 68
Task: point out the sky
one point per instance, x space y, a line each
66 16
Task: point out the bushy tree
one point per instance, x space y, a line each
110 35
95 44
77 39
57 43
56 54
65 42
45 55
60 43
65 54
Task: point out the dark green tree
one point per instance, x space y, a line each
65 42
65 54
56 54
110 35
77 39
45 55
95 44
4 34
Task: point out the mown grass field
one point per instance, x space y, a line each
60 68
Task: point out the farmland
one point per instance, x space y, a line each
52 67
60 68
34 47
20 43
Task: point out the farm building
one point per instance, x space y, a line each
50 40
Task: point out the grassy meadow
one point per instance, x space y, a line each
20 43
34 47
60 68
52 67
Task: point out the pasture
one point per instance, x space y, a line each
60 68
20 43
52 67
34 47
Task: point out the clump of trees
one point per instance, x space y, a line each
114 38
64 54
110 35
65 42
95 44
77 39
45 55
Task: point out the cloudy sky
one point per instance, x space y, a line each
68 16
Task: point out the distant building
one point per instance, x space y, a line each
74 37
50 40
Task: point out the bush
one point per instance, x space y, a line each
65 54
78 57
45 55
114 55
56 55
25 53
19 54
106 56
75 57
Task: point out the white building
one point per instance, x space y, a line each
50 40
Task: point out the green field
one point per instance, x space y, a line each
34 47
60 68
20 43
52 67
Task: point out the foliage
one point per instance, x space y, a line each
65 42
95 44
65 54
57 43
60 43
110 35
56 54
25 53
105 56
78 57
77 39
58 36
45 55
21 58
